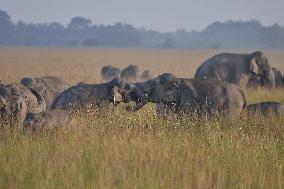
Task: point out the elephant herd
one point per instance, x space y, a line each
216 89
129 73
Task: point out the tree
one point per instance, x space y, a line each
5 19
169 43
56 26
79 23
91 43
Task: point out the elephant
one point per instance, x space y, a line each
49 87
265 108
192 96
255 81
165 109
91 97
34 100
130 73
48 120
13 107
238 69
278 77
109 72
146 75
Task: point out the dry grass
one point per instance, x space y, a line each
139 150
85 64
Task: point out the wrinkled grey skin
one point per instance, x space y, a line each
109 72
49 87
194 97
146 75
90 97
237 69
48 120
130 73
33 99
13 107
265 108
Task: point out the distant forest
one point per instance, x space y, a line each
82 32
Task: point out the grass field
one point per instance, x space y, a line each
139 150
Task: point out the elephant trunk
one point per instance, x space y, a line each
141 101
41 104
139 97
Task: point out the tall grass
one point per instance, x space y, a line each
138 150
143 151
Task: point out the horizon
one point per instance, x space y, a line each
140 27
166 18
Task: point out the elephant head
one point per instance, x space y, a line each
12 107
130 92
130 73
146 75
259 66
162 89
109 72
34 121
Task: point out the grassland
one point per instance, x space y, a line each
139 150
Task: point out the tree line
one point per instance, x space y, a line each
82 32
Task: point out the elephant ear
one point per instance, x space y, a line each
117 97
253 67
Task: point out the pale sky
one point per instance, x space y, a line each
163 15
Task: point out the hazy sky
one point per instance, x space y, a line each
164 15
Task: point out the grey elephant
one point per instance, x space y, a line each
165 109
109 72
146 75
256 81
200 97
130 73
90 97
278 77
49 87
49 120
265 109
238 69
13 107
33 99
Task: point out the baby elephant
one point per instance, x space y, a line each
49 120
265 108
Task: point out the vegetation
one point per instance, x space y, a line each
139 150
83 32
